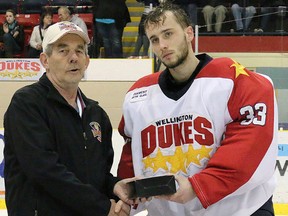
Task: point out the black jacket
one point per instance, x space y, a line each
112 9
17 28
56 163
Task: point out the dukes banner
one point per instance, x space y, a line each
20 69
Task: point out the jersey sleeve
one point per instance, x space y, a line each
125 167
247 154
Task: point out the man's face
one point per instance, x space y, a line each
63 15
66 65
170 42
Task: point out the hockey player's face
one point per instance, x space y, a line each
169 41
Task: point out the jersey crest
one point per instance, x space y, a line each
173 144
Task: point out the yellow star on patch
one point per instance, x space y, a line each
239 69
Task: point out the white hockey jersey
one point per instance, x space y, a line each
221 134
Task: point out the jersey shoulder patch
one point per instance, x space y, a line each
224 68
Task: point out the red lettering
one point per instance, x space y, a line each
148 140
26 65
165 136
35 66
188 132
178 138
2 66
206 138
183 133
10 65
18 65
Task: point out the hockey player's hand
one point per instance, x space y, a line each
184 192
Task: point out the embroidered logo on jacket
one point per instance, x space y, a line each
96 130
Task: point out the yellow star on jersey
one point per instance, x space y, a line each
178 161
159 161
239 69
196 155
148 162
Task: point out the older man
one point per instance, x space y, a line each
58 151
66 14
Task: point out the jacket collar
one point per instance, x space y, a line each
55 95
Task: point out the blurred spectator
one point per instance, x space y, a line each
190 7
111 17
282 6
268 7
217 8
243 12
67 14
38 34
122 23
142 39
12 35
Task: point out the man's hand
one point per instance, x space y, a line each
122 190
120 208
184 193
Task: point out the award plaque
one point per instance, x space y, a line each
154 186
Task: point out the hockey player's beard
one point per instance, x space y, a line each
180 58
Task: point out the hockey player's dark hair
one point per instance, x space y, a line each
158 15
